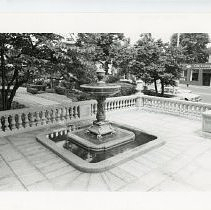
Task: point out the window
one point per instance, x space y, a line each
184 75
195 75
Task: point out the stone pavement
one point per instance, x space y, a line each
182 164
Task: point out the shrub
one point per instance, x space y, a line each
38 87
126 89
84 96
112 79
17 105
60 90
32 90
50 90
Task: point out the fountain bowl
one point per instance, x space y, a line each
101 89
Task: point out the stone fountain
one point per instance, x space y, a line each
101 145
101 91
101 135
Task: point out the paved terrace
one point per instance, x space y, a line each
182 164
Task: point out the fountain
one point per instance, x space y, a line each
103 144
101 135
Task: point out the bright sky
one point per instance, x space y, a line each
164 36
135 36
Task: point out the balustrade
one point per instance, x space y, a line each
177 107
27 118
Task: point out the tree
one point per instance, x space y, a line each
105 46
21 56
145 65
156 60
194 46
124 57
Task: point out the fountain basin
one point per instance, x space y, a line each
106 161
101 89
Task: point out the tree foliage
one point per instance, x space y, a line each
194 46
22 56
105 46
156 60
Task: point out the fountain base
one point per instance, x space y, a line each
101 128
98 161
89 141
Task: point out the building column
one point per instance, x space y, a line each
200 79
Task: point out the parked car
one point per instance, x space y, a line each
188 97
182 94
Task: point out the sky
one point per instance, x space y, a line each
135 36
164 36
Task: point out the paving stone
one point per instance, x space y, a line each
173 186
10 183
113 182
133 168
3 141
4 169
137 186
97 183
53 167
59 172
21 167
9 153
80 183
122 174
62 182
41 186
31 178
153 178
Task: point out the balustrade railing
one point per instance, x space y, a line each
122 102
172 106
22 119
30 117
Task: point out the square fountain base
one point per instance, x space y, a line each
146 142
91 142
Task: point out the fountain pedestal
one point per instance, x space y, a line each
101 127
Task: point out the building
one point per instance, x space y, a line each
197 74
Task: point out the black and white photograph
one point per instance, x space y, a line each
90 105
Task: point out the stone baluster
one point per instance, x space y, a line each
119 104
53 115
13 122
19 121
78 112
58 115
6 123
38 120
48 117
32 119
43 118
74 112
106 105
71 112
67 113
64 113
26 120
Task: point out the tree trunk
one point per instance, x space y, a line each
12 95
106 67
3 92
156 88
162 88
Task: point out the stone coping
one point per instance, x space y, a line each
101 166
